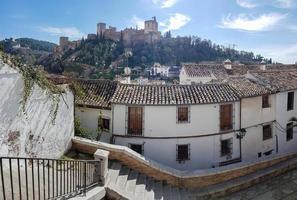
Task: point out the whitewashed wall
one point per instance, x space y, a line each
253 116
283 116
89 117
160 121
32 133
204 151
184 79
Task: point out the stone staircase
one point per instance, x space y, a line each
125 183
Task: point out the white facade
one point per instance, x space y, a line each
162 133
185 79
253 117
161 70
89 118
283 116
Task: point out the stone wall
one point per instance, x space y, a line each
189 179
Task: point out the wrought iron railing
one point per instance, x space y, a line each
35 178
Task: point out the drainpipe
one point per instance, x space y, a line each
240 151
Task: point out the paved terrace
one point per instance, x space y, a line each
282 187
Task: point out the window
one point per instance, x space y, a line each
290 131
265 101
267 153
226 147
105 124
135 120
290 105
137 148
183 114
182 152
259 155
226 117
267 133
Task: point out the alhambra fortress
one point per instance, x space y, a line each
222 128
149 34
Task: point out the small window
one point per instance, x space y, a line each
226 147
105 124
267 153
226 117
183 114
267 132
289 131
259 155
182 152
290 105
137 148
265 101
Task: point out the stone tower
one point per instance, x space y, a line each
151 26
101 27
63 41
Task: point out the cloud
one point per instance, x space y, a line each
281 53
175 22
293 28
246 3
136 21
165 3
247 23
284 3
72 32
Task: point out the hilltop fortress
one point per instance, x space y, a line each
129 36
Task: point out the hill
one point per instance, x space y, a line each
103 58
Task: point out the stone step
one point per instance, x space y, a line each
140 186
123 177
131 182
113 172
149 189
158 190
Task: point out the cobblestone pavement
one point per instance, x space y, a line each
281 187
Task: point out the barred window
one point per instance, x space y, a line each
290 103
289 131
267 132
183 114
265 101
226 147
183 152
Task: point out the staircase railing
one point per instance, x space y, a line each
41 178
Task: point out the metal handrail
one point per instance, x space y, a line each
43 178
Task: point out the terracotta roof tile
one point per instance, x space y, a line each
278 80
174 94
247 88
98 93
205 70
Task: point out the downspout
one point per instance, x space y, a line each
240 151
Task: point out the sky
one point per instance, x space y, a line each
266 27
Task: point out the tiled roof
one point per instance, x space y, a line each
278 80
97 93
247 88
174 94
205 70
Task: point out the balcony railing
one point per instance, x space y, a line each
35 178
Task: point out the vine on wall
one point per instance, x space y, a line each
35 75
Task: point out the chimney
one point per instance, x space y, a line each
228 64
263 65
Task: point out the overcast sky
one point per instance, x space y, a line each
268 27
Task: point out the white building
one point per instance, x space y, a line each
159 70
201 73
93 107
200 126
